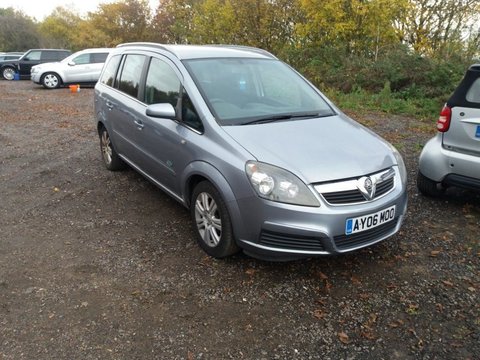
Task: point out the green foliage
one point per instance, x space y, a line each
18 32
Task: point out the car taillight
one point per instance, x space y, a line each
443 123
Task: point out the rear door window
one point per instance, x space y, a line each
96 58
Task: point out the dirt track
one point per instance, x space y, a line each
102 265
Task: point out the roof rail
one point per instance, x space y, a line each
249 48
165 47
150 44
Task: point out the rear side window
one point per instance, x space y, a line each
129 80
473 94
110 71
51 55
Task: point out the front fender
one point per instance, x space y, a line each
212 174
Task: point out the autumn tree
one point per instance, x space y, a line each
440 28
59 28
173 21
122 21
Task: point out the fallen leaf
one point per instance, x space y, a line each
434 253
319 314
322 276
447 283
190 355
343 337
471 288
250 271
355 280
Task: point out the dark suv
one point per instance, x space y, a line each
32 57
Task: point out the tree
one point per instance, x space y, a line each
18 32
122 21
59 28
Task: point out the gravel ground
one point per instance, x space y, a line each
102 265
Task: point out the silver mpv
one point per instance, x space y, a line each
452 157
263 160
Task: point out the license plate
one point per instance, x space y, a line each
370 221
477 133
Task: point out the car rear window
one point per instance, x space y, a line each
473 94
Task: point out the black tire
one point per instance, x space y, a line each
8 73
110 157
51 80
429 187
212 222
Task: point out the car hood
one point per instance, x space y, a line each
316 150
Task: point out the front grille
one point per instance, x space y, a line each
344 242
291 242
347 192
344 197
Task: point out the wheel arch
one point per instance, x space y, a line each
199 171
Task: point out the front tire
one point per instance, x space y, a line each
110 157
51 80
8 73
429 187
212 221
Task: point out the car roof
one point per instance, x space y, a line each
202 51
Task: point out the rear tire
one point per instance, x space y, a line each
212 222
110 157
429 187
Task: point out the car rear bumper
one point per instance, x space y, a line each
448 165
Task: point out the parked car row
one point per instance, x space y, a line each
53 68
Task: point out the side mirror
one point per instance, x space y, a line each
165 111
71 63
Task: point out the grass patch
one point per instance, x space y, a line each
386 101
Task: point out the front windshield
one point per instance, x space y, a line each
243 91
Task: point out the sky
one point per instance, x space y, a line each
39 9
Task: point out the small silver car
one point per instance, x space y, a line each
263 160
83 67
452 157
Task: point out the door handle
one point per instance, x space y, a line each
109 105
139 124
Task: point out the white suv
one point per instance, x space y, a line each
452 157
83 67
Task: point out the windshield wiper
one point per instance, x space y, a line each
272 118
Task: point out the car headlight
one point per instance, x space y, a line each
276 184
401 165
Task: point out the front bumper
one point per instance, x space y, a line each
278 231
35 78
